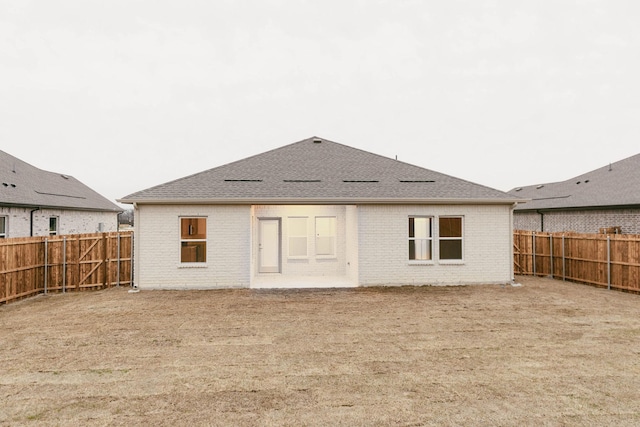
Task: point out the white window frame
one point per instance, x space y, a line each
333 234
429 239
56 231
461 239
4 220
291 235
205 240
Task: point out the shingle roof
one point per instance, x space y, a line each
316 170
615 185
24 185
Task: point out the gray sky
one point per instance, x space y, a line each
125 95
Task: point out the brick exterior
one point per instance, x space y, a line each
371 246
383 248
157 247
69 221
590 221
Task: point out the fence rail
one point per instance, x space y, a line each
34 265
604 260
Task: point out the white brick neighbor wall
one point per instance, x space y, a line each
383 249
157 247
69 221
587 221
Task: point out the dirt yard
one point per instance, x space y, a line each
546 353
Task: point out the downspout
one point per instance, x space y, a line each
31 223
541 220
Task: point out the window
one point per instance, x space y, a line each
193 240
3 227
326 236
53 226
420 238
297 237
450 238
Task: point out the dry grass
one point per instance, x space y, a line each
546 353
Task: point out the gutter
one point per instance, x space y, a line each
321 201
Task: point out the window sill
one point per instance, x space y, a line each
421 262
193 265
326 257
451 262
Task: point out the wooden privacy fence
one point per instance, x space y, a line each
33 265
605 260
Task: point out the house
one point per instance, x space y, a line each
34 202
316 213
604 198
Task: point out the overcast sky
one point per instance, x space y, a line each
125 95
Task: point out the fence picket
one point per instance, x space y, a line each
611 261
32 265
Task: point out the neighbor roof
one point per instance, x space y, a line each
316 170
614 185
23 185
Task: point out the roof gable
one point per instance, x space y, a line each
611 185
22 184
316 170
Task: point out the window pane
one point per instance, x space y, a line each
325 226
420 249
451 249
193 228
297 226
193 252
450 227
2 225
325 236
325 245
297 246
420 227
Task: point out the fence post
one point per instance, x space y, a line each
105 259
131 262
533 234
46 261
608 262
64 265
551 253
563 259
118 262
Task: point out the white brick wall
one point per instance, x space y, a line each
157 247
69 221
380 257
383 249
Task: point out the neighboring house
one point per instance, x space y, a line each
605 198
34 202
320 214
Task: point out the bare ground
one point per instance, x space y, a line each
546 353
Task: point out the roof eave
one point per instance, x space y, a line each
578 208
65 208
322 201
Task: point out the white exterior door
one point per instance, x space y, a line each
269 246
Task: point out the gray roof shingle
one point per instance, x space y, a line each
615 185
27 186
316 170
